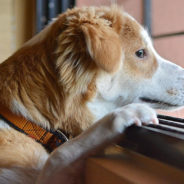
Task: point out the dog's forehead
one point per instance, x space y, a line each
131 30
130 24
134 35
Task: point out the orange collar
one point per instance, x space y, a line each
49 139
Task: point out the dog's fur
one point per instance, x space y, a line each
81 67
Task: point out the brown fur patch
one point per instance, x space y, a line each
172 92
132 42
104 46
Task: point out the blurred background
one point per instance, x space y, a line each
164 19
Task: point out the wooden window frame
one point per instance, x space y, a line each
151 154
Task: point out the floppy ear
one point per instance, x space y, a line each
104 46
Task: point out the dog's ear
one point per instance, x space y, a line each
104 46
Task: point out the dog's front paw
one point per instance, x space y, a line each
133 114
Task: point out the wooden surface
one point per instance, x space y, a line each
132 168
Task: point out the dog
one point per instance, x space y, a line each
91 73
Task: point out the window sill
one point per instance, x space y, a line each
150 155
130 167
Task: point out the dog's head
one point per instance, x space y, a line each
129 68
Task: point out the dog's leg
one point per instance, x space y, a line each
66 164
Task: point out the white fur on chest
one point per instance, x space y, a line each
100 108
103 102
113 91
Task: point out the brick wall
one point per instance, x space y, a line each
167 18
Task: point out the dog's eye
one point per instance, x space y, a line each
140 53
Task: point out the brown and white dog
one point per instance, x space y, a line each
93 70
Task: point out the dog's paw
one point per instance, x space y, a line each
133 114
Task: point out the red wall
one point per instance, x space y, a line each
168 17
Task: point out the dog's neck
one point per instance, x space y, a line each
39 83
30 87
